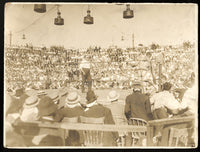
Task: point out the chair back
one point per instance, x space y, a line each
92 120
70 120
138 135
92 138
178 136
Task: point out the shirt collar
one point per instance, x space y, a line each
72 106
91 104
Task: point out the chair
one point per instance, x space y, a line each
137 135
121 120
69 120
92 138
178 136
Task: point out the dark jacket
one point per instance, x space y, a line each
97 111
16 104
68 112
138 106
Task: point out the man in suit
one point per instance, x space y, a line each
138 104
72 108
96 110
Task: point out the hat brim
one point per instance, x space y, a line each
113 99
31 106
74 102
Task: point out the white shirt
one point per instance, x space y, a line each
29 114
85 64
164 99
190 99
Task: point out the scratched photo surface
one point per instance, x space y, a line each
100 75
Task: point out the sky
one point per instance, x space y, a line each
164 24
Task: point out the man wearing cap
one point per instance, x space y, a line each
138 104
85 72
96 110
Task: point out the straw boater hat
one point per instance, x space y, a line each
112 96
72 98
46 106
40 93
31 102
63 92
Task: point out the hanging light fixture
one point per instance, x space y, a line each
58 20
122 38
128 13
23 37
88 19
40 8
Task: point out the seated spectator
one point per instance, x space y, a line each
46 109
117 108
164 106
138 104
96 110
46 112
71 109
164 103
17 101
30 110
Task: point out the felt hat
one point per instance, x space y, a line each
91 96
46 106
19 92
137 86
72 98
54 96
31 101
112 96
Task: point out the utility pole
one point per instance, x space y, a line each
133 40
10 35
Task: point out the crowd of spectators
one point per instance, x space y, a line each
140 69
54 67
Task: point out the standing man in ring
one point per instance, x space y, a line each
85 73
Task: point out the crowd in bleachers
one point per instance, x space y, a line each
57 69
43 68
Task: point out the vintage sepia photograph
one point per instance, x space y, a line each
106 75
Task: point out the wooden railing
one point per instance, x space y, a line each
106 127
161 122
